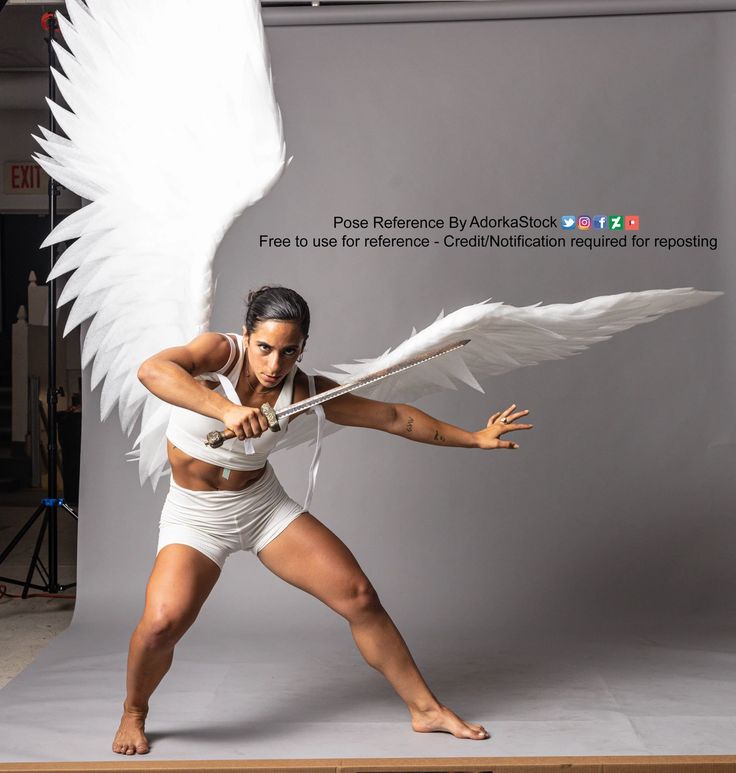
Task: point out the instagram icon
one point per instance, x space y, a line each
583 223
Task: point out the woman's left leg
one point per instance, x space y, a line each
309 556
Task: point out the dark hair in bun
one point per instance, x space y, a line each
278 303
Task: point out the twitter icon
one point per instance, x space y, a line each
568 222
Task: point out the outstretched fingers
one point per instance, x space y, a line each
511 428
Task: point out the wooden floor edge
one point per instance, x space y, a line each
582 764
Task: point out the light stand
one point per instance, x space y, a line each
49 504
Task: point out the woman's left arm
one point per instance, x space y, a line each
410 422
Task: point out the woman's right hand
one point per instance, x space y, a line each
244 421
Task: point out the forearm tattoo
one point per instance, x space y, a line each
410 424
439 437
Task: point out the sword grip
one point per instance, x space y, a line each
216 438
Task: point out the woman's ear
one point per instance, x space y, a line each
301 352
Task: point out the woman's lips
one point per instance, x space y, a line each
271 378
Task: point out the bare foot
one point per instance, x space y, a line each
442 720
130 738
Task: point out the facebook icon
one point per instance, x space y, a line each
600 222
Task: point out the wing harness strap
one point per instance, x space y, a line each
314 467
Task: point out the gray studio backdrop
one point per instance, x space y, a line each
621 501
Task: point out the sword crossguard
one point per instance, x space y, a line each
271 417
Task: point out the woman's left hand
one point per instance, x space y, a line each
499 424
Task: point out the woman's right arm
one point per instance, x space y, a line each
170 373
170 376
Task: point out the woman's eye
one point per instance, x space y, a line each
264 348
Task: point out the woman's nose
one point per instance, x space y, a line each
274 363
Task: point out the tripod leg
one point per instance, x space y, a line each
19 536
34 560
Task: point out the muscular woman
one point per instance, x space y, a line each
228 499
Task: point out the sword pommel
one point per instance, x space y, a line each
215 439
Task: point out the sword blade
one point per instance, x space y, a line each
370 378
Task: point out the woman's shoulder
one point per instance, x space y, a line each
205 352
301 386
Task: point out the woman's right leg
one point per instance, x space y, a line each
180 581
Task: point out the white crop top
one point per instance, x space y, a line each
187 429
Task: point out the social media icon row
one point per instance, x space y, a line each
600 222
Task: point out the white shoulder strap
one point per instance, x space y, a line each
212 375
319 410
232 356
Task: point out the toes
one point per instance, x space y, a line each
131 747
476 734
475 731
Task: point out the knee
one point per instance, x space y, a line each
359 601
161 629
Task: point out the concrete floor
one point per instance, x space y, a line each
28 625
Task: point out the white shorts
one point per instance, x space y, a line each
218 523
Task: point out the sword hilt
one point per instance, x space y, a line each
216 438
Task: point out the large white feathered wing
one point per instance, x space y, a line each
174 131
501 338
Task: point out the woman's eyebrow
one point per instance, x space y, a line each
271 346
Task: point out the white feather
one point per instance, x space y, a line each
502 338
173 131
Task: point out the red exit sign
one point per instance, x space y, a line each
25 177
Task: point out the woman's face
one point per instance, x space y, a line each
272 349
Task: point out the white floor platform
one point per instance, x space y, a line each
666 692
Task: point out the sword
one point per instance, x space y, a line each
216 438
